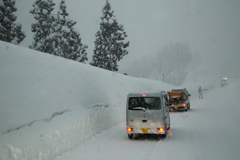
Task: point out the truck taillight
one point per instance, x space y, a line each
161 130
129 129
184 105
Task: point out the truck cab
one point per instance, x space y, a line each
179 100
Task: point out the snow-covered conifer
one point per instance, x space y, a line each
172 60
43 26
10 31
67 41
109 44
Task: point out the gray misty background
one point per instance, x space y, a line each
211 28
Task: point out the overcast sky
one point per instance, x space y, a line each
210 27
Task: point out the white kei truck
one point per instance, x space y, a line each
147 113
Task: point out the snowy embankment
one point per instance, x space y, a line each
50 105
209 131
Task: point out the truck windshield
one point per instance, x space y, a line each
146 103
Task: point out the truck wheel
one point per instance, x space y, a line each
130 136
163 136
169 124
188 106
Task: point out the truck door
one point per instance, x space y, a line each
166 112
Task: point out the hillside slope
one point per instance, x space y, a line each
44 99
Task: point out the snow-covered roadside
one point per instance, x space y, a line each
49 104
45 140
208 131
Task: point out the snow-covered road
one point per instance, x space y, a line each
205 132
53 108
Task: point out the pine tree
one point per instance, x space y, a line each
43 27
172 60
67 41
175 59
9 30
109 44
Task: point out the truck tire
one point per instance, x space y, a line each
130 136
168 126
163 136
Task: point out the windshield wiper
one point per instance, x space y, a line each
138 108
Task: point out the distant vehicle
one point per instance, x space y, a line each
179 100
223 82
147 113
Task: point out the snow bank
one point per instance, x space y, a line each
50 105
45 140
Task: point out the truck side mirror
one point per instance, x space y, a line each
189 95
165 95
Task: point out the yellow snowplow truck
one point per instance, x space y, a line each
179 100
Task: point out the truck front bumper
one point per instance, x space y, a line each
177 107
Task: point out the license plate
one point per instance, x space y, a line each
176 106
145 130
